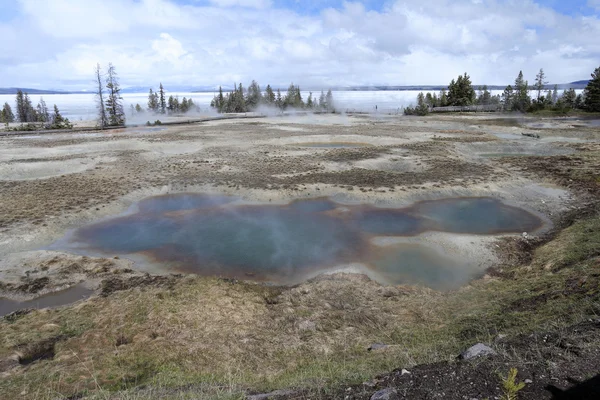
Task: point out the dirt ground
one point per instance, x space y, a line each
53 183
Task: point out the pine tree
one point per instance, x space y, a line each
171 104
152 102
422 108
579 102
239 102
161 99
508 98
254 96
58 122
30 113
184 107
290 96
269 95
591 93
114 101
7 114
42 112
569 97
309 101
540 82
102 119
138 108
279 100
521 100
298 102
443 99
555 94
221 103
329 104
429 99
485 97
322 104
21 109
460 91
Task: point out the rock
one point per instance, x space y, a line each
478 350
307 326
528 381
272 395
49 327
385 394
377 346
525 235
404 372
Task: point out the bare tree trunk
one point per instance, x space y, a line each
102 120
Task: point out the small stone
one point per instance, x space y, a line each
272 395
385 394
307 326
404 372
377 346
528 381
478 350
525 234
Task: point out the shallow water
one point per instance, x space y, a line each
332 145
214 235
494 155
56 299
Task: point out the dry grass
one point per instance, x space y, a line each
212 338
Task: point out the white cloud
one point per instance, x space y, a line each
242 3
57 43
168 48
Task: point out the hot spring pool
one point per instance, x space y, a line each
285 244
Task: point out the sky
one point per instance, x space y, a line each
55 44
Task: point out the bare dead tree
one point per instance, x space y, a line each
102 120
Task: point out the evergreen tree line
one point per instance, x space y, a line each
241 100
108 95
515 97
158 105
34 117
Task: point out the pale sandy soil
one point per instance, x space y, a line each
52 183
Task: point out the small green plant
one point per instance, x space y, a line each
510 385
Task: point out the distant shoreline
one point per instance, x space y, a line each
561 86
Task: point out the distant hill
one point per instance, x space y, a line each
170 89
203 89
31 91
582 83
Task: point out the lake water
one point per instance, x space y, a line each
83 106
285 244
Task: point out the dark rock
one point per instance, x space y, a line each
277 394
377 346
15 315
34 285
478 350
385 394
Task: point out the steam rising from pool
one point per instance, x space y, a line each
216 235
